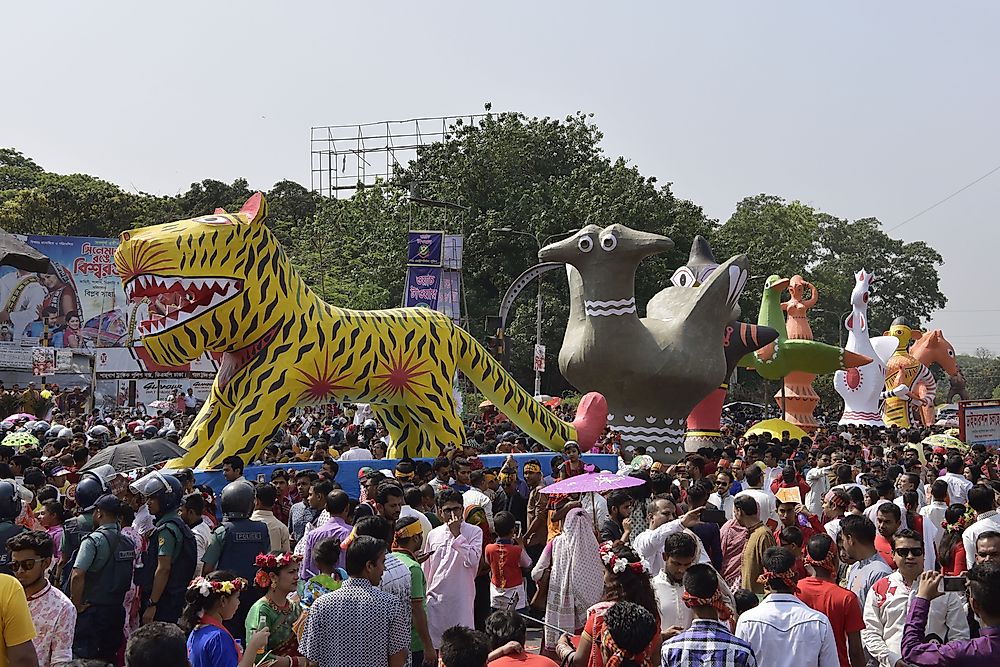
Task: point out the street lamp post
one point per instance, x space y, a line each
538 303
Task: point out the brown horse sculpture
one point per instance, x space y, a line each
934 348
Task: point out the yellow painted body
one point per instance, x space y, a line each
284 347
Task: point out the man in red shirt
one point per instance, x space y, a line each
821 592
505 629
889 518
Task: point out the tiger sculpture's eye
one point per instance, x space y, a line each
214 220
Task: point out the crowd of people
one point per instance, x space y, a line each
857 546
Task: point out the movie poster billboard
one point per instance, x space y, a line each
81 305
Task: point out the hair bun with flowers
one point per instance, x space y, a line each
271 563
206 587
618 564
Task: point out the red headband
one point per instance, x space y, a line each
714 600
790 578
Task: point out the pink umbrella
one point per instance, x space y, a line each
594 482
20 415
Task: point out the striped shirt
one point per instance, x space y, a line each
707 644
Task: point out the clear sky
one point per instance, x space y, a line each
857 108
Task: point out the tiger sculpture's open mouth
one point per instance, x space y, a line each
173 301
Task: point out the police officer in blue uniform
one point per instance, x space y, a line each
235 545
100 578
92 485
10 509
169 563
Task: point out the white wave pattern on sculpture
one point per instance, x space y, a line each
609 308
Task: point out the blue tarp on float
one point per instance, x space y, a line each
347 476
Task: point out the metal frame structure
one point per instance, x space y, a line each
348 157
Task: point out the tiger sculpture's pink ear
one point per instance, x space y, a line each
255 210
220 211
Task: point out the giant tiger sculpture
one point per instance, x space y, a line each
236 293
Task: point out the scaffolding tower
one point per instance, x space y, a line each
348 157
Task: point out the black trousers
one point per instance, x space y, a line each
99 633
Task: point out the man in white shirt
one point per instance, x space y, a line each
772 469
192 511
354 452
835 505
765 499
680 551
783 630
887 605
649 543
982 499
721 497
267 494
476 495
958 485
818 480
934 512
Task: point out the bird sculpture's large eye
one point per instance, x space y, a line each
609 242
682 277
585 244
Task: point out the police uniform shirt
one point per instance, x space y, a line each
86 523
168 542
95 552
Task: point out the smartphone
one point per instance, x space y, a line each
517 529
953 584
261 479
710 515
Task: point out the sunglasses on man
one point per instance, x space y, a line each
28 564
906 552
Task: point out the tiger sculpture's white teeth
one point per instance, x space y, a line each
177 300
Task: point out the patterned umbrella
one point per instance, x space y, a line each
20 439
946 441
593 482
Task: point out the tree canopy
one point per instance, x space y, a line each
540 176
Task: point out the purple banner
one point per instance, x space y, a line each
423 286
424 248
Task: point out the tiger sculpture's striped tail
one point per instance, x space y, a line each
221 283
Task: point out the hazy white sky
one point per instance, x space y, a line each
858 108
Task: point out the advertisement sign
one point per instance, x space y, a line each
424 248
43 361
423 286
539 364
81 305
979 422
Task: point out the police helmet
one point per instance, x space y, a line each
99 432
237 500
10 501
166 489
149 432
66 432
172 435
39 429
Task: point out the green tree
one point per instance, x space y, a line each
543 177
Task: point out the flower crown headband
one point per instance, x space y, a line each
618 564
270 564
206 587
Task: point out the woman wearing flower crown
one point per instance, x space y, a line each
625 580
278 576
210 601
950 548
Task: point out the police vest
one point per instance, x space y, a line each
181 569
244 540
73 534
108 586
7 531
